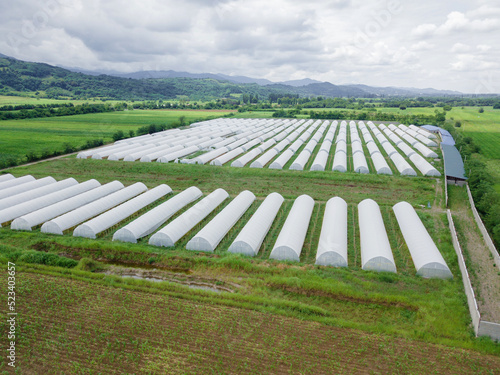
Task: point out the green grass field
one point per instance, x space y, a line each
484 128
19 137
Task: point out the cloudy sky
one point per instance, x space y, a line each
446 44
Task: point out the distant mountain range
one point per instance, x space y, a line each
170 82
308 86
160 74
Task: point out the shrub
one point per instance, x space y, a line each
69 148
87 264
92 144
118 135
48 259
31 156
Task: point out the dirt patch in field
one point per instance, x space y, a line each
178 278
72 325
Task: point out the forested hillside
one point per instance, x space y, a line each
18 77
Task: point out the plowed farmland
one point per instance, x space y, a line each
82 328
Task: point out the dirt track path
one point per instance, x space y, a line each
484 274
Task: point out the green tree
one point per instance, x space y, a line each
118 135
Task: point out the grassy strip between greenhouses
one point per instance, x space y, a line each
319 185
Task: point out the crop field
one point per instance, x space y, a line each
484 128
254 114
103 327
19 137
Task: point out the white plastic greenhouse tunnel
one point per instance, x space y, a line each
424 166
81 214
14 190
357 147
299 163
223 159
6 177
402 165
250 238
264 159
389 149
152 220
320 161
130 155
372 148
245 159
153 155
26 207
36 193
208 238
428 261
176 229
380 164
340 162
176 154
205 158
289 244
426 151
27 222
332 246
16 182
376 253
281 160
360 164
99 224
341 147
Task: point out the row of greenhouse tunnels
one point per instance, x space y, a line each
90 208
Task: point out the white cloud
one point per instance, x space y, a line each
483 47
424 30
456 22
460 48
341 41
470 62
422 46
